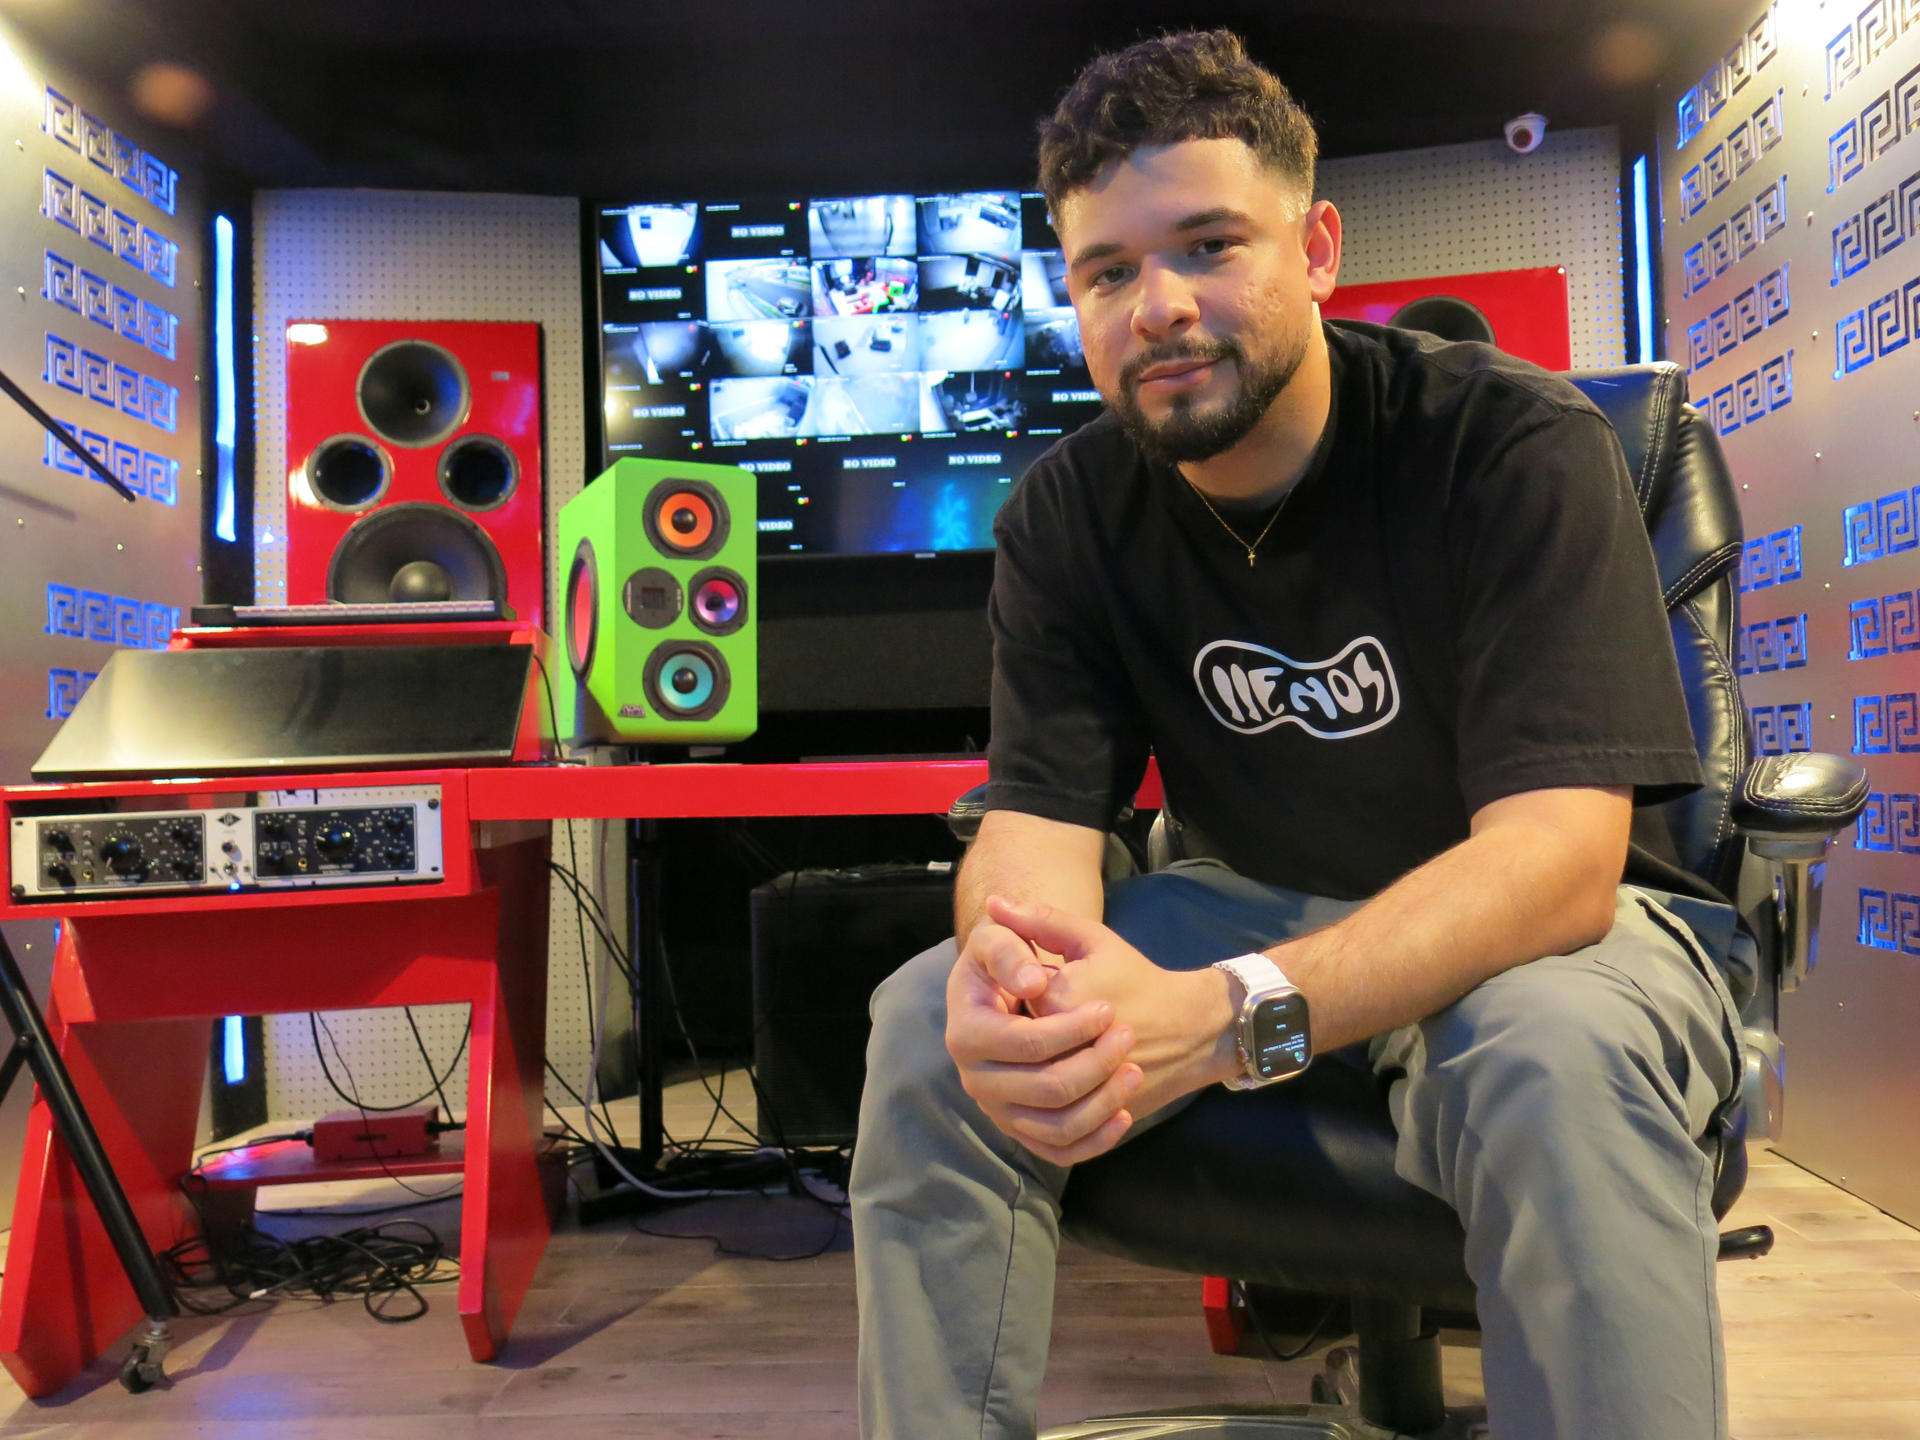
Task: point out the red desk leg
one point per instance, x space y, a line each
65 1297
505 1221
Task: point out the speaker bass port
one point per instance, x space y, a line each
347 472
583 609
478 472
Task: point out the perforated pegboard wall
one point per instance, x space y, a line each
365 255
1790 186
1461 209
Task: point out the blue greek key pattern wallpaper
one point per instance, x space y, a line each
1889 823
103 237
1728 76
1730 325
1732 157
1770 559
1882 526
109 619
1883 625
1748 228
1806 168
1773 645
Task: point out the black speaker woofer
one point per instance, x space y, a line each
687 680
583 609
348 472
376 549
413 393
1447 316
478 472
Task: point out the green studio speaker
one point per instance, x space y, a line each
658 615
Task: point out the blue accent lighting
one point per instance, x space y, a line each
223 376
233 1050
1642 262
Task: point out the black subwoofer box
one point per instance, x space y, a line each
822 941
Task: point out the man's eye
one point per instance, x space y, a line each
1110 276
1216 245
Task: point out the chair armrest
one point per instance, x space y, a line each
1789 809
1787 802
964 815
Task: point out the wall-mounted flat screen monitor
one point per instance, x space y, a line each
888 365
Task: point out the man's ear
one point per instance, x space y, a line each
1320 240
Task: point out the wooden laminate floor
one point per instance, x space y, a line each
633 1334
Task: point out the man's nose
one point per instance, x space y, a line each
1165 304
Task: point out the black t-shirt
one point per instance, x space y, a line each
1457 602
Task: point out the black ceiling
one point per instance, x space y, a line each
640 98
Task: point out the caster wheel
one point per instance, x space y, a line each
141 1373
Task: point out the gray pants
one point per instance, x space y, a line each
1561 1108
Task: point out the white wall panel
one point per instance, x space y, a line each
374 254
1462 209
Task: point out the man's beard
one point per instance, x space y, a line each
1187 433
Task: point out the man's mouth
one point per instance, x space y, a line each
1171 375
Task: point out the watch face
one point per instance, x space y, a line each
1281 1042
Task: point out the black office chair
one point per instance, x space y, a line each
1291 1189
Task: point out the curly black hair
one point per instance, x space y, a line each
1190 85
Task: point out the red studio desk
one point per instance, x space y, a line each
139 981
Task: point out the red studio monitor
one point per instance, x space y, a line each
413 462
1524 312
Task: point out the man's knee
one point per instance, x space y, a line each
909 1013
1556 1047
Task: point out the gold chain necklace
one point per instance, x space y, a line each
1237 538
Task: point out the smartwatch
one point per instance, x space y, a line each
1271 1030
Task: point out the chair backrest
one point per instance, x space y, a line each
1692 512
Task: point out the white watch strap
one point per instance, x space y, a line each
1255 972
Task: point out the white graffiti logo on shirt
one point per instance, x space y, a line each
1250 688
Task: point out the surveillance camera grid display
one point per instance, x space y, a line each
887 364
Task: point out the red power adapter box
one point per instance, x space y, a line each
376 1135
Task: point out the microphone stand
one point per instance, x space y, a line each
33 1047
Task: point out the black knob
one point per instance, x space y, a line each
59 840
183 833
335 842
401 857
186 869
60 873
122 854
396 824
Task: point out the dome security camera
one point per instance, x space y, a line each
1525 132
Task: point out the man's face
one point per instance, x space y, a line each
1194 276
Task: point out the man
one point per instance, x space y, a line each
1385 612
